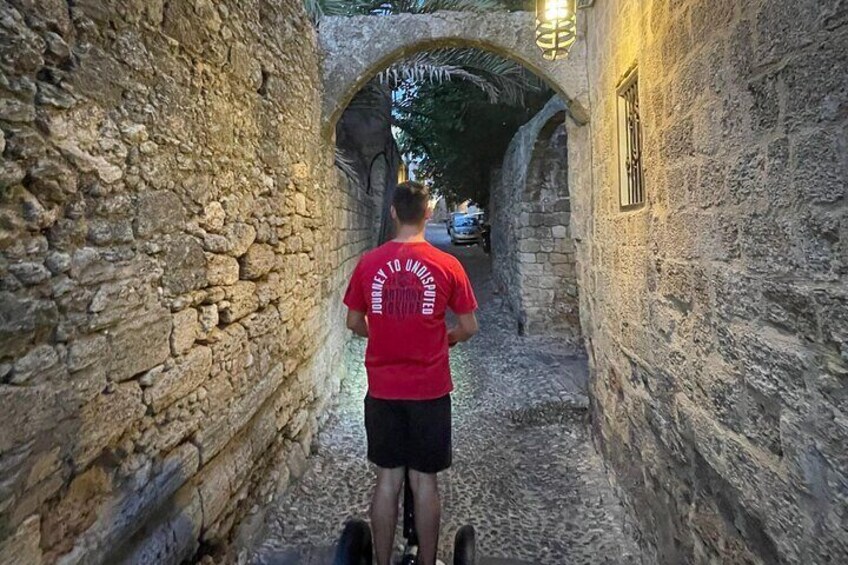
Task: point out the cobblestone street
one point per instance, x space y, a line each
525 472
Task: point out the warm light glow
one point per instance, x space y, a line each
557 10
556 27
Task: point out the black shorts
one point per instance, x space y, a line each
409 433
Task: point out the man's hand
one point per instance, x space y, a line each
357 323
465 329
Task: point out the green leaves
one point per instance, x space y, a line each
458 135
319 8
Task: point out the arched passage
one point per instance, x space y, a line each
356 49
532 246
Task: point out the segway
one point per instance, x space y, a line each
355 546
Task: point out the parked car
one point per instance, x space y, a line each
466 229
451 218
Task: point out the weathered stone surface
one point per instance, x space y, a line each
105 418
186 375
159 212
222 270
124 514
42 364
23 321
213 217
704 307
257 261
24 545
138 344
241 300
208 318
186 329
185 265
172 540
529 191
239 238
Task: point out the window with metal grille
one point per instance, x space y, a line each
631 180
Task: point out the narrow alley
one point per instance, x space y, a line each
525 473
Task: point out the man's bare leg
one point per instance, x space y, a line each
428 509
384 511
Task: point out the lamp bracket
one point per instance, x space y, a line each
583 4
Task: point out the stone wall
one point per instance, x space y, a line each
366 144
173 244
717 314
533 257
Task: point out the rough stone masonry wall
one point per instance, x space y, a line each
717 314
532 248
172 246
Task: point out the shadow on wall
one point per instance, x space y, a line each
364 141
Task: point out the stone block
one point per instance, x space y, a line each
208 318
139 344
262 322
24 320
40 365
184 265
158 212
240 237
240 301
257 261
790 307
185 376
528 246
821 170
86 351
221 270
104 419
527 257
238 412
186 329
213 217
229 348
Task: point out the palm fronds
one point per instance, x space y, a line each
500 79
319 8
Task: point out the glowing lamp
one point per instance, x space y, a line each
556 27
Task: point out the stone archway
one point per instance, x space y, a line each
356 49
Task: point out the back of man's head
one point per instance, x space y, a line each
410 202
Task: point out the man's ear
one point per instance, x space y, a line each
428 214
393 212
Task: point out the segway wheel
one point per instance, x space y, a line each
354 546
465 546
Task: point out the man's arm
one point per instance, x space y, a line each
357 322
465 329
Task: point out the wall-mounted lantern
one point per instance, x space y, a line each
556 27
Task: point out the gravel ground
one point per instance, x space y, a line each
525 472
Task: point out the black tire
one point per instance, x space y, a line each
354 546
465 546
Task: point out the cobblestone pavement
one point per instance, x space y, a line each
525 472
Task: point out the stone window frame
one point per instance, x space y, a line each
631 191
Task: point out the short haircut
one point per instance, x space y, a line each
410 201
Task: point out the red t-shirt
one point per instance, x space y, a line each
404 290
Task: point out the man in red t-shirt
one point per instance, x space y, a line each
397 298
